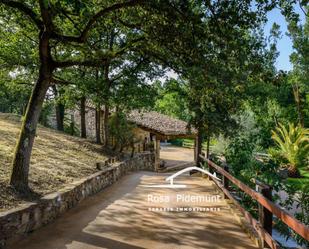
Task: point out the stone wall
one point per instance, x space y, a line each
18 222
90 121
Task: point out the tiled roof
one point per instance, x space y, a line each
157 122
161 123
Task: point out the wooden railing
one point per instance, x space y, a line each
190 145
267 208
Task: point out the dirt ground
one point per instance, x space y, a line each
174 155
57 159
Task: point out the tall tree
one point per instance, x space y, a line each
299 77
46 17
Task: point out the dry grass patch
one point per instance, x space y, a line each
57 159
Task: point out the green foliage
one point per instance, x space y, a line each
70 127
297 198
219 145
292 144
177 142
121 130
239 154
46 113
171 99
299 77
303 215
14 94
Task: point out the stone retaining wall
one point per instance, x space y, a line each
18 222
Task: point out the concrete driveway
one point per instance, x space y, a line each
133 214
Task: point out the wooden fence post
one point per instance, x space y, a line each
265 216
210 168
225 180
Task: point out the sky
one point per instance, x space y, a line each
284 46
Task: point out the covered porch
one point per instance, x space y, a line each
163 128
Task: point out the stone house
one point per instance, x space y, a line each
150 127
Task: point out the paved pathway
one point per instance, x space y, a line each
119 217
174 155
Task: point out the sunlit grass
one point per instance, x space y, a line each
57 158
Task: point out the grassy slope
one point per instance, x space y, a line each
57 159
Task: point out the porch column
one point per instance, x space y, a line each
157 152
194 148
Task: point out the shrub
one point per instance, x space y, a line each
292 147
121 131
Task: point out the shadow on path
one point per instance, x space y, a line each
120 217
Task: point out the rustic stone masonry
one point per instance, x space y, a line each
17 222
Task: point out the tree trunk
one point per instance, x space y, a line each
60 116
198 149
23 149
133 149
293 171
83 117
105 126
208 143
22 154
59 109
98 125
121 149
298 103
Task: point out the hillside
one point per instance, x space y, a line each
57 159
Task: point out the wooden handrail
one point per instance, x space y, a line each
258 227
278 211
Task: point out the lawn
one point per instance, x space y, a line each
57 159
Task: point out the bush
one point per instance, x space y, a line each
239 154
176 142
292 147
121 131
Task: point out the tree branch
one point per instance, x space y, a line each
132 70
130 25
83 36
301 7
129 45
59 81
71 63
25 10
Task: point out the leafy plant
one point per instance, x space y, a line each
292 146
121 131
46 113
303 204
299 200
239 154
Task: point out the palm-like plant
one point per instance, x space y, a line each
293 145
